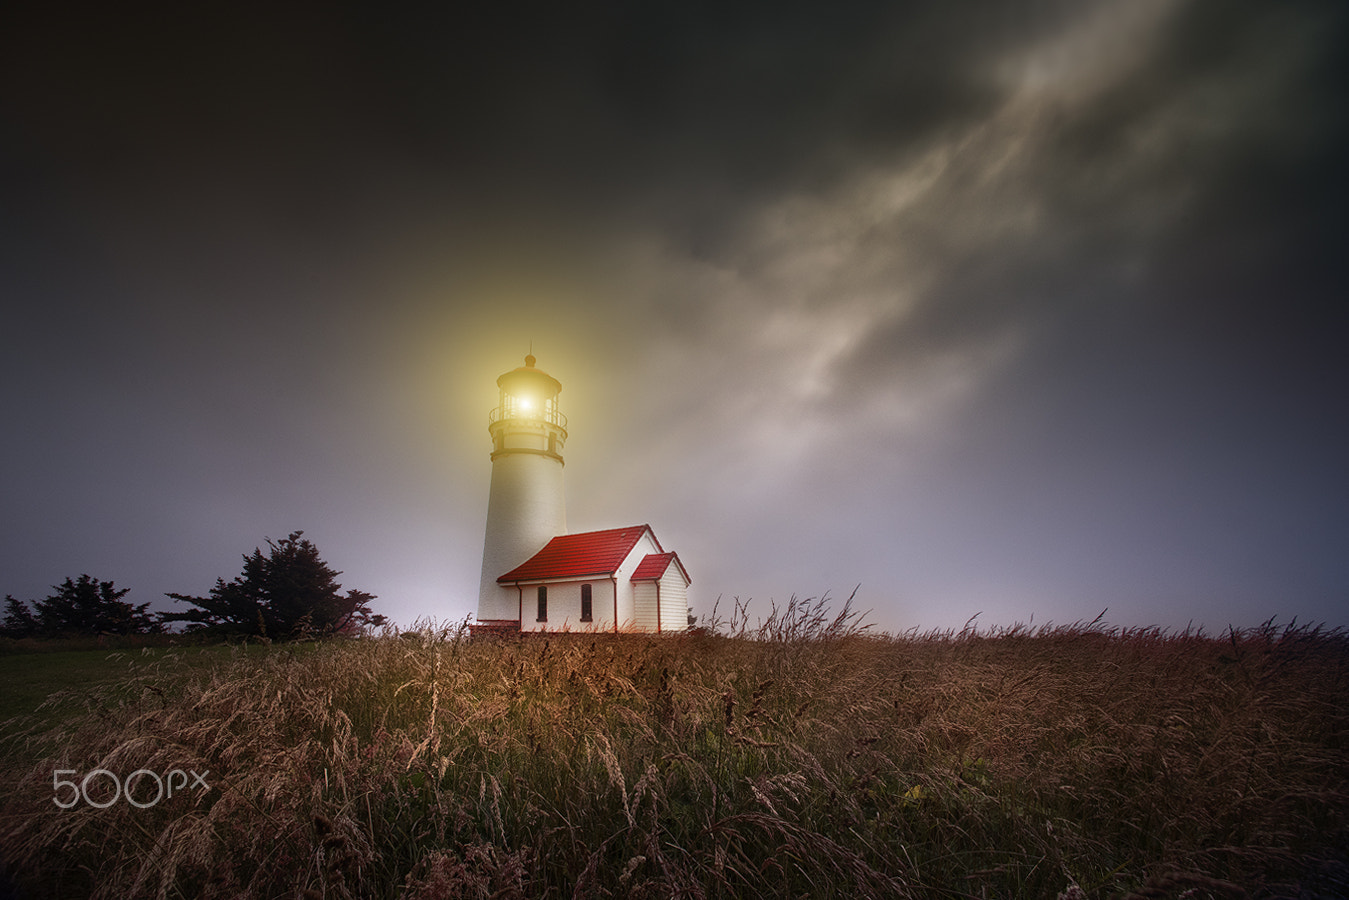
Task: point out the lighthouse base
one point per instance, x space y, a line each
499 628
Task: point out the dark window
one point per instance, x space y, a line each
585 603
552 443
543 603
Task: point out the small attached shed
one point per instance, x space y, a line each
660 593
619 579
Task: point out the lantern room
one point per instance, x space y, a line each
527 417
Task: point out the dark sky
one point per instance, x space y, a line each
1026 310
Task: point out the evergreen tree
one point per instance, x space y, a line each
89 606
288 592
19 621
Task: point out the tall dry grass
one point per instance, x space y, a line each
798 757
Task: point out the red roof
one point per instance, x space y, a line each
580 555
653 566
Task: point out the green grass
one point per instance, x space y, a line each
49 685
809 759
30 678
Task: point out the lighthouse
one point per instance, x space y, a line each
526 507
536 576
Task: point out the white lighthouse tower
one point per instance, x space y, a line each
526 507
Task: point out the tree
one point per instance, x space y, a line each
19 621
84 606
288 592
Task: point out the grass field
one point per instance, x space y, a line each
31 677
806 759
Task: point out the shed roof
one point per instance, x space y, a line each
653 566
579 555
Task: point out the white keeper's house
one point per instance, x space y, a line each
536 576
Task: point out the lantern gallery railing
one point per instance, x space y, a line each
519 411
